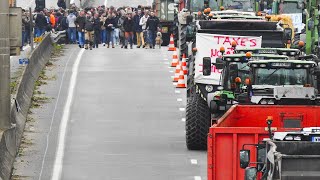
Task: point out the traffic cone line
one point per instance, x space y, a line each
181 81
174 58
184 64
177 73
171 44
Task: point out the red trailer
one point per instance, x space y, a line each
246 124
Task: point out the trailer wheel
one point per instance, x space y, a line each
198 121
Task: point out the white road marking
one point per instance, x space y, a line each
175 83
105 2
182 109
171 71
172 77
54 114
58 163
170 67
197 178
194 161
166 59
179 99
177 92
165 62
183 119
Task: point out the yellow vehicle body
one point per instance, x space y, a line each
286 21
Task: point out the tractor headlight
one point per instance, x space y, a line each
263 101
263 65
298 65
228 59
307 65
292 53
209 88
271 101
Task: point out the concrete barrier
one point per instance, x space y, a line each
11 138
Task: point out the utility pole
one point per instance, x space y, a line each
67 3
31 29
5 94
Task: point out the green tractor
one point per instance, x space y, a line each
234 73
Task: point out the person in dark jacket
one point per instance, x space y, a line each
110 25
80 22
63 23
97 30
138 29
88 31
152 24
40 24
128 29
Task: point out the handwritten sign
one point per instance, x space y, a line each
209 45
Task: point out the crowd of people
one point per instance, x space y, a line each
91 27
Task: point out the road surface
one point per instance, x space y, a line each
114 114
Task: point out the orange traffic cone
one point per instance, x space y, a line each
171 44
181 81
177 73
175 60
184 64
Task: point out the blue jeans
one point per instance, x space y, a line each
116 35
24 34
72 34
110 37
40 31
152 38
103 36
81 38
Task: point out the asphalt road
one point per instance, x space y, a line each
125 120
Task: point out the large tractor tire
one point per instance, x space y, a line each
198 122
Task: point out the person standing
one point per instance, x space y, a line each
152 24
40 24
110 25
71 18
128 28
97 30
80 22
138 29
116 30
121 28
25 22
88 31
103 32
143 23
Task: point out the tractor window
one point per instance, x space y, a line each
197 5
241 5
289 8
280 76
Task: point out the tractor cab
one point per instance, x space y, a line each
283 82
234 70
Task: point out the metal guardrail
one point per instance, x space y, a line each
55 37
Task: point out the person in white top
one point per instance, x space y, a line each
143 23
